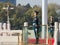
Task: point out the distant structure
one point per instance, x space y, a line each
11 1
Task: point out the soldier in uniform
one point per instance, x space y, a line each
36 26
51 26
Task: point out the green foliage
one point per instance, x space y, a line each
20 14
29 13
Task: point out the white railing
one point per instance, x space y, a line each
10 32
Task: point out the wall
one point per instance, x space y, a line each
10 38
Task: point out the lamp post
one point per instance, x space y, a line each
7 8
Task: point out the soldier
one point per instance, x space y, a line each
36 26
51 26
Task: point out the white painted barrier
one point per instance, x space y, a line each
4 26
59 33
9 38
8 26
59 27
55 33
0 26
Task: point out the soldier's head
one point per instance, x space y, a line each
35 13
51 18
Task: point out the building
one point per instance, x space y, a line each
11 1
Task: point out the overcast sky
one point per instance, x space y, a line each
36 2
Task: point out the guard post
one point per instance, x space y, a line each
25 33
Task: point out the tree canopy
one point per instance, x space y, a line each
22 13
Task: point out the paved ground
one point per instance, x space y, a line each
19 44
13 43
34 44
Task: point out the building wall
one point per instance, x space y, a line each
10 40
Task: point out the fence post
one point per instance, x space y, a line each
55 32
0 26
59 27
18 39
47 34
25 33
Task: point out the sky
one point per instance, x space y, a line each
36 2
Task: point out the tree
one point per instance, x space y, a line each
29 13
